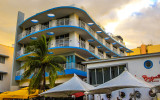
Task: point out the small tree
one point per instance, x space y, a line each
41 63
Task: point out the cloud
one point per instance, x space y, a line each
143 28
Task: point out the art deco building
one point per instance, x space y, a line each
6 60
75 35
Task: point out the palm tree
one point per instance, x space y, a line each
42 62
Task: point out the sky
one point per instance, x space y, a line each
137 21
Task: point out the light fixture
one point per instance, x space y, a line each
106 38
99 46
51 15
107 51
50 52
90 24
91 40
34 21
114 43
99 32
91 58
50 33
114 55
33 38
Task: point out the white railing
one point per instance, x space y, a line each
20 52
107 45
64 21
114 49
100 55
44 26
82 44
91 49
121 53
68 21
62 42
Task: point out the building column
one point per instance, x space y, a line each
74 19
52 23
74 39
87 44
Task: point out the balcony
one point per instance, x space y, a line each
82 44
115 49
100 55
61 22
70 68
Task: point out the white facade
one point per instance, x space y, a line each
136 66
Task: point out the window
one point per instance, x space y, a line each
107 75
2 60
99 75
92 77
148 64
81 42
114 72
62 40
1 76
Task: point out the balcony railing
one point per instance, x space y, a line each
115 49
121 53
107 45
20 52
91 49
66 66
100 55
62 42
82 44
67 21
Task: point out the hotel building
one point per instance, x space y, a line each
75 35
144 67
6 60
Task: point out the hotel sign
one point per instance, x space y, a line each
152 78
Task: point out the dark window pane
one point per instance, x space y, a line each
121 68
1 76
114 72
106 74
99 76
2 60
92 76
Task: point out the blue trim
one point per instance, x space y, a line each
114 43
150 66
72 27
75 48
34 21
120 47
33 38
108 52
107 38
50 52
90 40
98 32
99 46
23 55
51 15
66 72
80 10
50 33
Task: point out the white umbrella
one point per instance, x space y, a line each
68 88
124 80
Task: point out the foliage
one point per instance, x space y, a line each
41 63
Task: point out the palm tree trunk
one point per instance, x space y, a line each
44 81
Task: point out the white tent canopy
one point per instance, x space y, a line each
68 88
124 80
